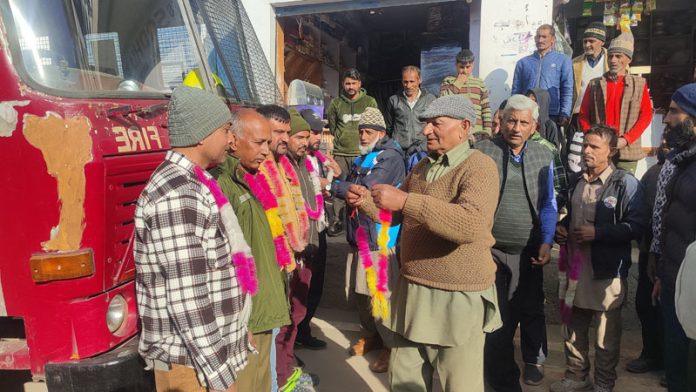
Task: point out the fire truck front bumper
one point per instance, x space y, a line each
121 369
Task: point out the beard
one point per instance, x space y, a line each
680 136
364 150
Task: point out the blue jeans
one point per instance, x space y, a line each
676 354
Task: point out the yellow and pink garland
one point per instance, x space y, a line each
377 281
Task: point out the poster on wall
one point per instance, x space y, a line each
437 63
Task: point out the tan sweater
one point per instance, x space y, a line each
446 235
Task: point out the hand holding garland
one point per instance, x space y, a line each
389 198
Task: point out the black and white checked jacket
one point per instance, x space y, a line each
188 296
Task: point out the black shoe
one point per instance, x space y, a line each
335 229
310 342
642 365
533 374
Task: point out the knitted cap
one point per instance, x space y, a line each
193 115
596 30
313 119
685 98
372 118
297 123
456 106
622 44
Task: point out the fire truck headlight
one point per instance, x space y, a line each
116 313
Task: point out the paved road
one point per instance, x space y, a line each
336 321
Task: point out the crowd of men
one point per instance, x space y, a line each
450 208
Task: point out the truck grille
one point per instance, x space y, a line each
126 177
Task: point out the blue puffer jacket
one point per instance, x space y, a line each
384 165
554 73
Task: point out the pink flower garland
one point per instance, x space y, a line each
261 190
377 282
314 214
243 260
300 204
568 275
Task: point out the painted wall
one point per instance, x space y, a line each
501 32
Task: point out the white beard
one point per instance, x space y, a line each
364 150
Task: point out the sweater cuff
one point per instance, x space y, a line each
414 205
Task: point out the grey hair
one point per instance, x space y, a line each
236 127
548 28
519 102
411 68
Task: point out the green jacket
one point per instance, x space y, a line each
344 115
270 305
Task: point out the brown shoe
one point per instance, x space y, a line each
365 345
381 364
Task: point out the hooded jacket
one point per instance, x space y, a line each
402 122
547 128
385 167
554 73
270 307
343 116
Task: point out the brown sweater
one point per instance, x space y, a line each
446 235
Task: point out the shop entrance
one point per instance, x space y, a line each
317 46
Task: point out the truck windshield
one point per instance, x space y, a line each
104 45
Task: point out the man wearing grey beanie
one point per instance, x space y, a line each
444 301
189 300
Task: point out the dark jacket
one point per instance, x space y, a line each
343 116
616 223
679 217
547 128
402 121
386 166
270 307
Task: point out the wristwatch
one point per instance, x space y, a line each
328 187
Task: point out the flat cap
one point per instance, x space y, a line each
457 106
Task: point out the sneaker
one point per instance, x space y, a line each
381 364
642 365
291 383
335 229
307 380
568 385
310 342
365 345
533 374
599 388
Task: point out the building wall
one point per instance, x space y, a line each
499 38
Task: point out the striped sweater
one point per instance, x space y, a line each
477 92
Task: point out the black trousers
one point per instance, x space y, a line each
526 308
316 286
650 316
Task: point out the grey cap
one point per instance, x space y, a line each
313 119
193 115
456 106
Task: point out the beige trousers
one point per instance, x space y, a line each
256 376
607 346
179 379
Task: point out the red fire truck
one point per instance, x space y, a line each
83 113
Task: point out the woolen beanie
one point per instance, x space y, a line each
193 115
297 123
622 44
596 30
685 98
457 106
372 118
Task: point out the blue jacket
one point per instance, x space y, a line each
620 217
384 165
554 73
